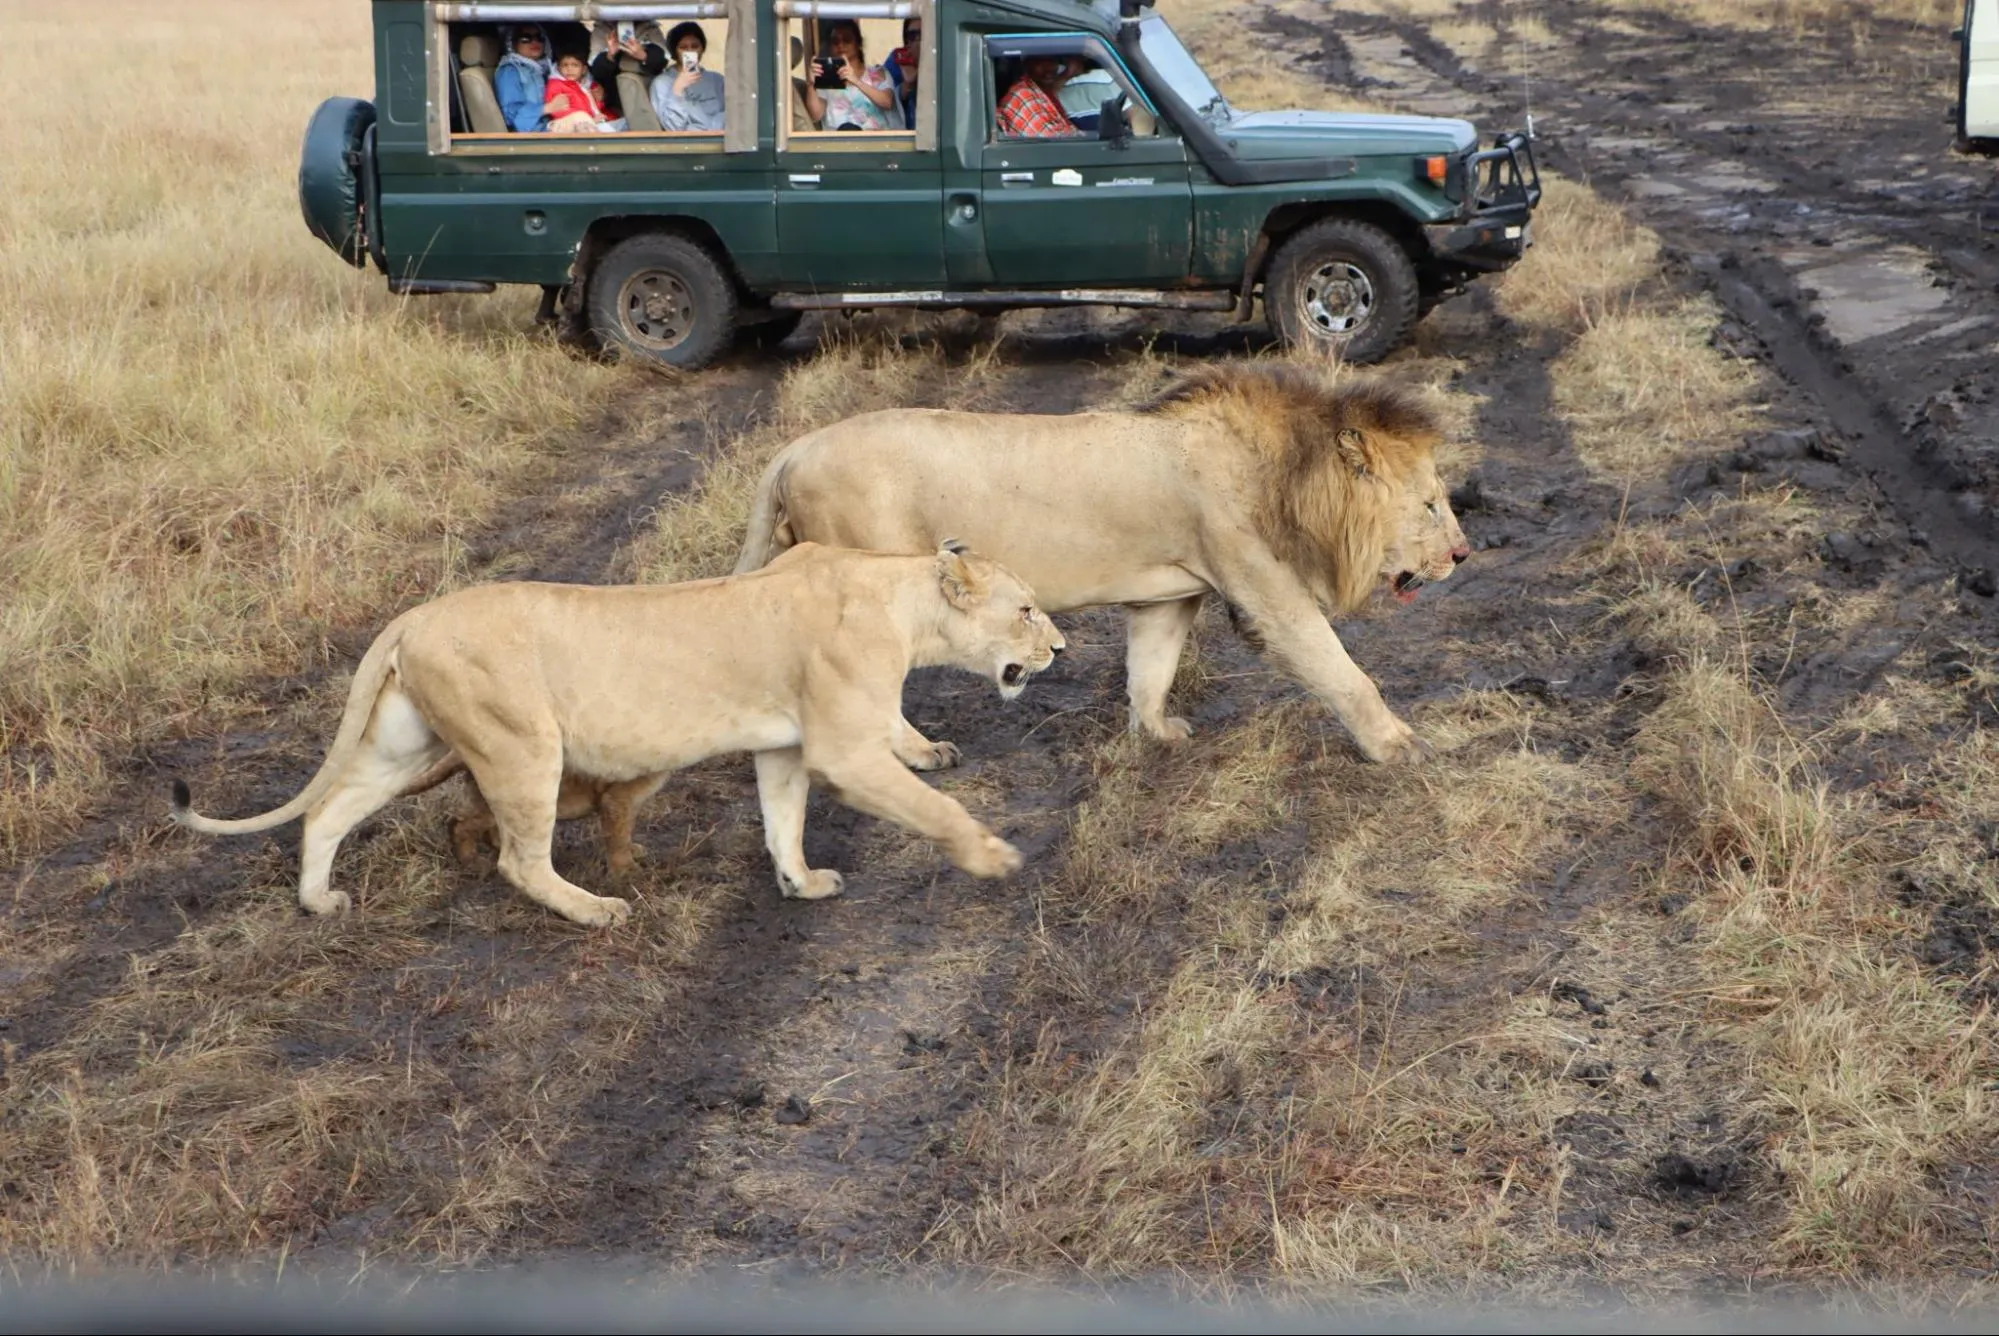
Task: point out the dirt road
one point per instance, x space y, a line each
451 1077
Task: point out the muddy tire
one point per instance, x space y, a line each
665 298
1343 287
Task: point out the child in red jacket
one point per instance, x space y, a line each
573 100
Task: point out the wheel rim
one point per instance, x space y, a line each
658 309
1337 298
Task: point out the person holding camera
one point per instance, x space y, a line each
611 41
847 93
691 97
903 64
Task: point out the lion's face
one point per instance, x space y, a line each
1001 632
1425 542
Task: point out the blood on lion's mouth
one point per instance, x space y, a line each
1405 586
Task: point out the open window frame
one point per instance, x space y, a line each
1020 46
922 138
740 65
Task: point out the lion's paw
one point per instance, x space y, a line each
326 902
992 857
943 755
624 863
1169 729
601 911
820 884
1405 749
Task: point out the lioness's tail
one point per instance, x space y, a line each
369 675
769 532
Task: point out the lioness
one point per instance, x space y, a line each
801 663
1288 493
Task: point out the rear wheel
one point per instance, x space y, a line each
665 298
1344 287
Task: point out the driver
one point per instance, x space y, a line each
1029 110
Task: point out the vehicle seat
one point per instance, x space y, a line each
478 57
635 96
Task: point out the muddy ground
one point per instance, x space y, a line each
794 1096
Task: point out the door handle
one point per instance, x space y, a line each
805 178
1017 178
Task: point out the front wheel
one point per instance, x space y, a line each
1344 287
663 297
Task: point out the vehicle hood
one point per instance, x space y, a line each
1346 134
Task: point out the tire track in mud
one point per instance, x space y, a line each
1671 119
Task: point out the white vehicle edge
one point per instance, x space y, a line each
1977 112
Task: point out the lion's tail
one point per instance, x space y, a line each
769 532
369 676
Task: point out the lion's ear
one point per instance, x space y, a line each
954 545
1353 450
961 584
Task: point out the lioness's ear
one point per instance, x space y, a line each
961 584
1353 450
954 545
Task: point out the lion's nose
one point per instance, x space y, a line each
1459 553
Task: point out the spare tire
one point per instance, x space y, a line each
329 176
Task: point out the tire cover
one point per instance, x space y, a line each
329 188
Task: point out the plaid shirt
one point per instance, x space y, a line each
1028 112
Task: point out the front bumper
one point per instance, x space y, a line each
1502 186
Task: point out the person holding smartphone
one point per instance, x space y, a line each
902 66
610 42
690 96
847 93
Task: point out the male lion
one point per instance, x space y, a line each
1290 494
801 663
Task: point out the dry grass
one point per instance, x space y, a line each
1589 261
1871 1075
1251 75
217 440
1643 390
228 1101
1806 15
1268 1112
1282 1019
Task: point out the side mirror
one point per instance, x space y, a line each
1113 127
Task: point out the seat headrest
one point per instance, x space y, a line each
797 53
481 51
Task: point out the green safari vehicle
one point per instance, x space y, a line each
669 237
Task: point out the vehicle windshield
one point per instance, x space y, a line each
1182 73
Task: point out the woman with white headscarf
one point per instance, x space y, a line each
524 71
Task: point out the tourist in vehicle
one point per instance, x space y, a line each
573 101
902 67
1029 109
865 101
608 43
522 77
690 96
1083 93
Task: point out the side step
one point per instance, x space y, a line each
435 287
939 300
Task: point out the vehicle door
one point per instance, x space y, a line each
857 210
1074 209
